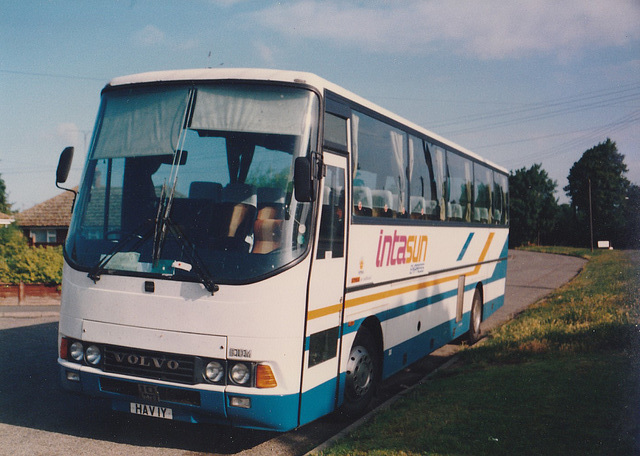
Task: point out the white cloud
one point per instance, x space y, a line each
69 134
151 36
488 29
227 3
265 52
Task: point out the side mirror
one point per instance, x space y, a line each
303 180
64 165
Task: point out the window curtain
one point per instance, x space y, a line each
141 125
255 111
355 122
410 158
468 176
440 181
397 144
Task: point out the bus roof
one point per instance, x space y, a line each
299 77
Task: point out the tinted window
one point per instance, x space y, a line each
425 173
459 186
483 183
335 130
500 199
379 182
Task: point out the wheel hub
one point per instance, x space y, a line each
359 371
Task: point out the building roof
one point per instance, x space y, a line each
54 212
6 219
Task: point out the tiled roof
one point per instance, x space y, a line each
54 212
4 216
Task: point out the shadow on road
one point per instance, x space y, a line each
30 396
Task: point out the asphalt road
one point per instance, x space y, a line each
38 418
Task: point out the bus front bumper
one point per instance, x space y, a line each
184 403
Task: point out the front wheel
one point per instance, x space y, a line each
362 376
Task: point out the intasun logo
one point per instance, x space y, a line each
400 249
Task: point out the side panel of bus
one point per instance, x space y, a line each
424 303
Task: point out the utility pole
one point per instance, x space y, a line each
590 215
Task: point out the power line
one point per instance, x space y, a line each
465 119
590 135
53 75
562 108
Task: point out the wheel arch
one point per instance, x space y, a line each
373 325
480 289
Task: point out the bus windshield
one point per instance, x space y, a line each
194 182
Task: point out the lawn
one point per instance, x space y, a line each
561 379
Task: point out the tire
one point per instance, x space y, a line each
475 333
363 374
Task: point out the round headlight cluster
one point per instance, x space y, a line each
240 374
214 371
91 355
76 351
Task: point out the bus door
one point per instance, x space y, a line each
326 296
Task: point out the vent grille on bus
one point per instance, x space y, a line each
149 364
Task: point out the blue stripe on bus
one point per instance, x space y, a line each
318 401
270 412
465 247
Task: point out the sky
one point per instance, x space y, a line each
518 82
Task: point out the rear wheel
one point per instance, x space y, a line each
362 375
476 317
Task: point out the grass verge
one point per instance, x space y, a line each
563 378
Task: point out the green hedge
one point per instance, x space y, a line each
21 263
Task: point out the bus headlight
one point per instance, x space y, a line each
240 374
76 351
214 371
93 355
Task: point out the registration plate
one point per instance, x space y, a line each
151 410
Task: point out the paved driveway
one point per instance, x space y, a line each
530 277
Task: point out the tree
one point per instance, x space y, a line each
632 218
565 227
598 191
532 206
5 207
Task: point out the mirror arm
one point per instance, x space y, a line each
321 168
75 195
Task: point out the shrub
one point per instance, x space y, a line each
21 263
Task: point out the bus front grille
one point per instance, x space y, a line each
149 364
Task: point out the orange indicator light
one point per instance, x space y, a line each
265 377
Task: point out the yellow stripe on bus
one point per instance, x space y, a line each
317 313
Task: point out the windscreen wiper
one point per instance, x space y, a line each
94 273
190 250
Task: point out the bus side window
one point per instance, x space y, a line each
482 188
460 181
362 201
425 180
500 199
379 154
331 236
